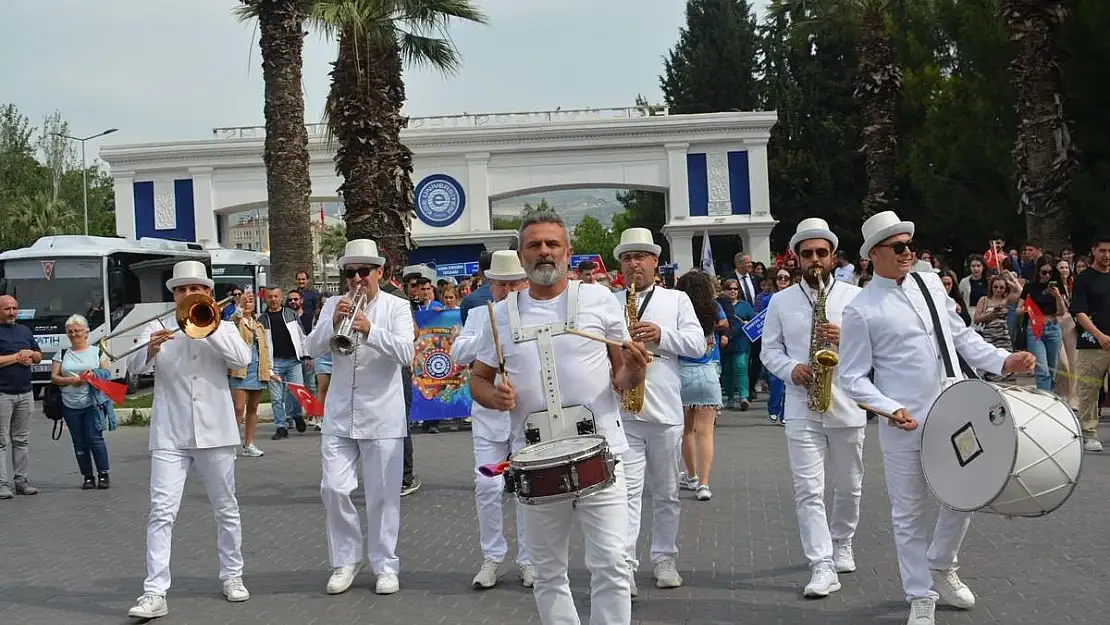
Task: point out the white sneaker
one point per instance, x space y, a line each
703 493
387 584
666 574
844 559
342 577
822 582
953 591
253 451
922 612
1092 444
487 576
527 575
235 591
687 482
149 606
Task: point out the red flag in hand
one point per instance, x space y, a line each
1036 317
114 390
309 404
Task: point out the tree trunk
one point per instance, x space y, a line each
878 83
364 108
288 186
1044 156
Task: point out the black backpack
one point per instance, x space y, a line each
52 404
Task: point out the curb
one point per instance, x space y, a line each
125 416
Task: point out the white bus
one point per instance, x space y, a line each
241 268
58 276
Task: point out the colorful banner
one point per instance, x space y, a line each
440 387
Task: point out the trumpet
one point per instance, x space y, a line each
197 315
343 341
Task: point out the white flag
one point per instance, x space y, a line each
707 256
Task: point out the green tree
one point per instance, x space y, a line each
285 152
712 68
643 209
591 237
333 242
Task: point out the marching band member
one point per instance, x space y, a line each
811 436
364 421
654 433
192 424
551 370
490 430
889 329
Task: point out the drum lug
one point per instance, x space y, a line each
574 482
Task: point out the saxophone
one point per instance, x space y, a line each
632 400
823 358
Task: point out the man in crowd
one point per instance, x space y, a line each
18 353
481 295
587 272
310 296
1090 304
286 338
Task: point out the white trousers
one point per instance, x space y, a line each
382 463
910 501
168 470
812 447
488 495
649 465
604 520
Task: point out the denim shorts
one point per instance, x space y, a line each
701 384
322 366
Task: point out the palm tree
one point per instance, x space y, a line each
376 39
1044 155
878 85
288 186
37 216
332 242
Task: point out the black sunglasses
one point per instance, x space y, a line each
782 278
362 272
1046 273
822 252
900 247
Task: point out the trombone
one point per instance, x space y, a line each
197 315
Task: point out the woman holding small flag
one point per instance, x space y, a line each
1043 302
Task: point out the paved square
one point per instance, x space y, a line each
72 556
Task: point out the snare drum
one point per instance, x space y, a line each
1003 449
562 469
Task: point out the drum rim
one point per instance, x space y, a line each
599 447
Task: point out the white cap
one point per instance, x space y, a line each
189 272
813 228
361 252
882 226
636 240
505 265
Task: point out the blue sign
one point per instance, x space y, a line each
454 270
440 200
754 328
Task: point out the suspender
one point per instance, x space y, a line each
939 329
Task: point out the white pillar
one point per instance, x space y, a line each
757 243
123 183
678 182
204 215
477 191
758 181
682 251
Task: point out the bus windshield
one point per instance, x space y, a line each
48 292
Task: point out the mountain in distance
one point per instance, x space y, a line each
571 204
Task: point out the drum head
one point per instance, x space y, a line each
559 448
969 445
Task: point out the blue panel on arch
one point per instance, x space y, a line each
697 175
184 217
144 208
446 254
739 185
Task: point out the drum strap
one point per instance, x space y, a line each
941 343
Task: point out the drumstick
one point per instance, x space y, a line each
882 413
497 343
1075 376
607 341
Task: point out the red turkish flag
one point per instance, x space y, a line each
309 404
1036 317
114 390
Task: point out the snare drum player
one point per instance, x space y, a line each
490 431
814 438
667 324
888 328
551 372
192 424
364 421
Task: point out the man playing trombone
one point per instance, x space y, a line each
192 424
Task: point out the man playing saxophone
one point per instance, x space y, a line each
652 412
801 334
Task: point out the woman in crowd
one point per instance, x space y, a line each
1044 291
83 410
734 355
701 388
864 270
992 310
1066 385
322 366
449 297
247 384
948 279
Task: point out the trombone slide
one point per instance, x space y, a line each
197 315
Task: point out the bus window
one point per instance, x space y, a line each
49 293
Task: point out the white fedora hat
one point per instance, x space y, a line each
636 240
505 265
813 228
882 226
189 272
361 252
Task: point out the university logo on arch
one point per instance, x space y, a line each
48 269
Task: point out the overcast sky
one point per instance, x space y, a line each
163 70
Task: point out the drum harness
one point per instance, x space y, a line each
942 345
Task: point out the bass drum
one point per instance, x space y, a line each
1002 449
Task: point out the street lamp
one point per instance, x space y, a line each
85 168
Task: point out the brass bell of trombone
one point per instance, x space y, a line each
198 316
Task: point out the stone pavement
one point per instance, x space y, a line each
72 556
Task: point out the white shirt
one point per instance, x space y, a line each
366 398
488 424
888 328
192 406
582 365
787 332
680 334
845 273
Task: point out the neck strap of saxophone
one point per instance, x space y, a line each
643 300
803 285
